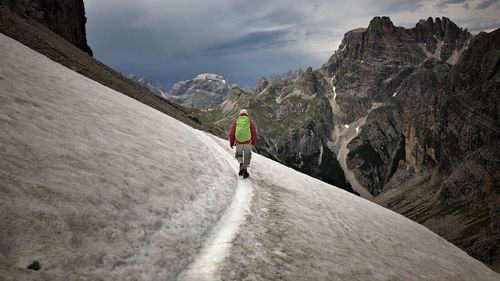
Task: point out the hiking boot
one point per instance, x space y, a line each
241 170
245 174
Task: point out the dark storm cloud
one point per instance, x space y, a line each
174 40
252 42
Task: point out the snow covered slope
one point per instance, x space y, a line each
97 186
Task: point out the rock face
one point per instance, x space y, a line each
372 62
205 90
66 18
377 150
450 128
372 68
441 35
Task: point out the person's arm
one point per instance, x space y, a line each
231 135
254 133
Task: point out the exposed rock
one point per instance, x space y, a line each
66 18
375 154
443 34
450 125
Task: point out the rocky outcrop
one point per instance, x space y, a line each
416 100
66 18
374 155
442 35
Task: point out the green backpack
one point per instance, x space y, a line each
243 133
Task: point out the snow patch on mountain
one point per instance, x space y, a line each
210 76
204 91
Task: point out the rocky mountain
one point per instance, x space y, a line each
409 115
148 83
66 18
367 72
204 91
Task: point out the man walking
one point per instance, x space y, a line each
244 136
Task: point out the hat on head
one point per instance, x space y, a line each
243 111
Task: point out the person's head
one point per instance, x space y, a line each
243 112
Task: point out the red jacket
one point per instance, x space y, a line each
252 130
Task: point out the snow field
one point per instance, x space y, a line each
94 183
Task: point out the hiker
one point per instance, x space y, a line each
244 136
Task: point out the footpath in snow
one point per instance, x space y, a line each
97 186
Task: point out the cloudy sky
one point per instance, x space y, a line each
174 40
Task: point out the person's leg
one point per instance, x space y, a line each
247 151
239 153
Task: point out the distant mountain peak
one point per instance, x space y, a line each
204 90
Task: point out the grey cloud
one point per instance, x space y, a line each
444 4
253 41
478 26
486 4
399 6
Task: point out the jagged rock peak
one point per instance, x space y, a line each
441 29
382 24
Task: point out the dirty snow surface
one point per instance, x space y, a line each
97 186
